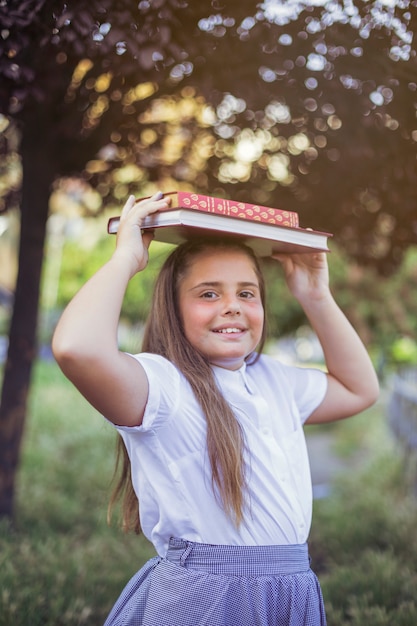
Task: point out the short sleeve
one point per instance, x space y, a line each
310 387
164 391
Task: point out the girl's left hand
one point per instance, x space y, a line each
352 384
307 274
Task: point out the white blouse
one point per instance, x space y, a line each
171 471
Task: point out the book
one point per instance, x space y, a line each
178 225
230 208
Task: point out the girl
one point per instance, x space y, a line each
213 429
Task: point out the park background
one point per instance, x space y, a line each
306 106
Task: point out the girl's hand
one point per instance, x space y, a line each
131 242
307 275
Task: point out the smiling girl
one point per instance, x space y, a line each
211 429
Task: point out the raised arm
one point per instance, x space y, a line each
352 381
85 339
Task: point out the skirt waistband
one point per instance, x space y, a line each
239 560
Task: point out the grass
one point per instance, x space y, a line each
363 541
64 566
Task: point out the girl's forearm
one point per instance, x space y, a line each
345 355
88 326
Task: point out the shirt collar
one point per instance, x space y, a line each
232 378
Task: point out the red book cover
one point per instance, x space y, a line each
232 208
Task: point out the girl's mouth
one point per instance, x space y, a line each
228 331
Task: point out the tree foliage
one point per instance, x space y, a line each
308 106
314 109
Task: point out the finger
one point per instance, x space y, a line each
151 205
147 237
285 259
130 202
159 195
279 257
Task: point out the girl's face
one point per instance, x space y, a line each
220 306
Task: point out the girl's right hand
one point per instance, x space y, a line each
131 243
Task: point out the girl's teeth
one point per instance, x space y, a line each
229 330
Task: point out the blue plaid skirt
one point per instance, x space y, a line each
204 585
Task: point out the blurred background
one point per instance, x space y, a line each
304 106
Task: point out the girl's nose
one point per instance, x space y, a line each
232 307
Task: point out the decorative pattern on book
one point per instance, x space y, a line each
232 208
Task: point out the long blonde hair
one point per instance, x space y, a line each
164 335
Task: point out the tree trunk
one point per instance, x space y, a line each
36 187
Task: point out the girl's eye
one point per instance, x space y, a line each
209 295
246 294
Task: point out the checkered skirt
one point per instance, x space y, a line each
204 585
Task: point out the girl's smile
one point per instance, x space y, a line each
221 308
